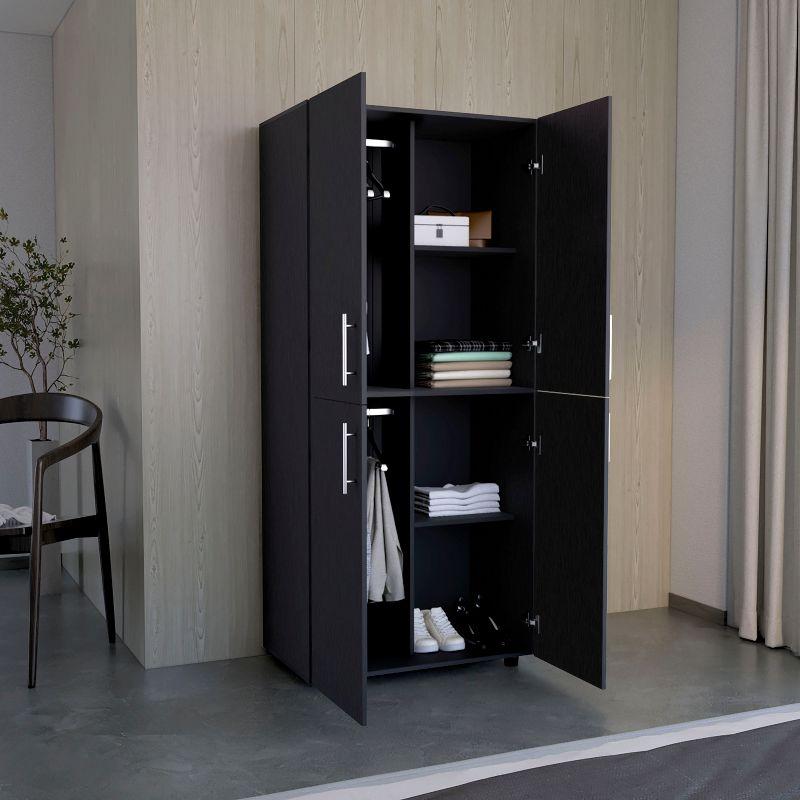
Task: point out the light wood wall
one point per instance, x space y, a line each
207 73
529 58
96 167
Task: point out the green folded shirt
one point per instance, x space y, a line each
500 355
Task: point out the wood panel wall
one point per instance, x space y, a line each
96 168
529 58
207 73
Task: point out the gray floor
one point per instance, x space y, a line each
99 726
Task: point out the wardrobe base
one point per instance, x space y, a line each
392 664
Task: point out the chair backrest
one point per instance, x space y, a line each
53 407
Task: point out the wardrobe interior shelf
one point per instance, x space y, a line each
461 252
390 664
422 521
424 391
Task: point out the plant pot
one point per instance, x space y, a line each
51 503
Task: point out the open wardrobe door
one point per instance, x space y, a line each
570 534
572 373
572 213
338 554
337 253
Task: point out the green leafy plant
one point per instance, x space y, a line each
35 313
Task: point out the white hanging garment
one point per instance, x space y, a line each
385 570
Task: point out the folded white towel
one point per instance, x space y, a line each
466 374
22 515
456 492
489 497
481 500
457 512
461 512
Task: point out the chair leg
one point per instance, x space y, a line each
102 540
35 580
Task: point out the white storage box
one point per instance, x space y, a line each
446 231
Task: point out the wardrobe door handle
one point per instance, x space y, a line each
345 371
345 480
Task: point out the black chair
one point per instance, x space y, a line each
76 410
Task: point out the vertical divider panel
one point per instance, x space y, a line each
411 531
412 378
412 150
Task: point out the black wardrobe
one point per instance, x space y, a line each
340 274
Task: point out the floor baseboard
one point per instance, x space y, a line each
696 609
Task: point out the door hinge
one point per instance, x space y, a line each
534 344
534 622
534 444
536 166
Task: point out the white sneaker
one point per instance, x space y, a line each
423 643
439 627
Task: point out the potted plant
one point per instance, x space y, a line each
35 313
35 338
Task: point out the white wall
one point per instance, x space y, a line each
703 274
27 193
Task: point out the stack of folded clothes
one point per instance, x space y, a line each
463 363
454 501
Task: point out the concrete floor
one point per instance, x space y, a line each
99 726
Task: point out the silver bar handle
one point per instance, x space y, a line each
345 480
345 326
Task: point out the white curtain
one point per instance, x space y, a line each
765 401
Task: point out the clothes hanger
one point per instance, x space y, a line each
371 441
375 189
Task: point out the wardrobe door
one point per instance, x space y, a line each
338 240
572 213
570 533
338 554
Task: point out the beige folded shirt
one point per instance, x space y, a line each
450 366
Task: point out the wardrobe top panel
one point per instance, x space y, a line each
450 125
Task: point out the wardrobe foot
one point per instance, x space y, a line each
513 661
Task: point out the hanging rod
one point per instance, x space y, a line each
380 412
383 143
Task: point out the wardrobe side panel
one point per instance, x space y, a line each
337 130
285 387
572 215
